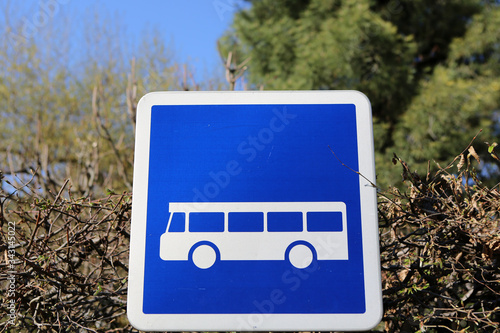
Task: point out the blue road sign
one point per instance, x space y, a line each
254 211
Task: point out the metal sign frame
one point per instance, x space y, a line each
265 319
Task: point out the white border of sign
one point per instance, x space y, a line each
275 321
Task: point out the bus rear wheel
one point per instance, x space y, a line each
301 254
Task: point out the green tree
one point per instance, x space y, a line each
419 62
460 97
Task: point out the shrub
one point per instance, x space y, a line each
68 262
440 247
66 258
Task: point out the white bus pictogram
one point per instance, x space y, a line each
299 232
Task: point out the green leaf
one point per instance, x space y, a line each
491 148
98 290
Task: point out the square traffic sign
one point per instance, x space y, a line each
254 211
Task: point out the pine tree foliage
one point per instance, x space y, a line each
460 97
428 67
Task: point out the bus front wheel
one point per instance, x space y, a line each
204 255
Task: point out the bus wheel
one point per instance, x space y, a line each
204 254
300 254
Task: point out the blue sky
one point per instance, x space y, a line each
191 26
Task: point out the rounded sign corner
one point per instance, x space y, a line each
373 317
360 94
150 99
136 319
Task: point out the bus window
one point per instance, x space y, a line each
246 222
178 222
206 222
324 221
284 221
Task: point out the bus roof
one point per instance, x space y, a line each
324 206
